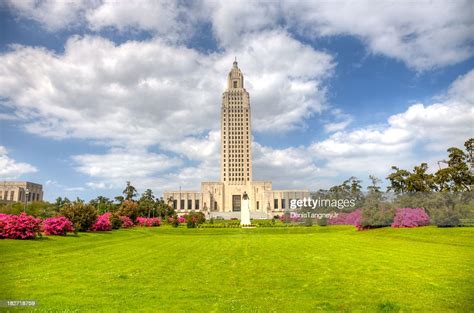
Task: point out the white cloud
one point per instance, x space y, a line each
98 185
52 14
152 92
405 138
120 164
168 18
233 20
11 169
292 167
340 121
112 171
423 34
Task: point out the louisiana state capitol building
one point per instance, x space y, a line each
224 198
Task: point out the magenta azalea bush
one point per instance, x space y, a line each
126 221
148 222
57 226
407 217
354 218
342 218
21 226
339 220
181 219
102 223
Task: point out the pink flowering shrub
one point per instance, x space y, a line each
343 218
126 221
407 217
354 218
148 222
57 226
339 220
181 219
19 226
102 223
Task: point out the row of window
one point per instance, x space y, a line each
235 158
236 125
283 203
239 169
32 196
235 110
238 179
237 174
239 145
237 155
189 204
231 114
236 150
235 119
236 170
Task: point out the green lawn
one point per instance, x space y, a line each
244 270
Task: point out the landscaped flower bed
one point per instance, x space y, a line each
21 226
148 222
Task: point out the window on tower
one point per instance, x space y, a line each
235 84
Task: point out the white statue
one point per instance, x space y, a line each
245 210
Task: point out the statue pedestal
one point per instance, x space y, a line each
245 213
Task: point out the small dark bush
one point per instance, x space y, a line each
194 219
116 221
323 221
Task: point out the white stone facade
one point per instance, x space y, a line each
16 191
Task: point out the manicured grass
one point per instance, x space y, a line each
244 270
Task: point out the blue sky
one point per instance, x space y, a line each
93 94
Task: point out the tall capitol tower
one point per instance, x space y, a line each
223 198
236 131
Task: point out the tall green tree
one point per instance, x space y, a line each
375 184
398 180
458 175
130 192
103 204
147 203
164 208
